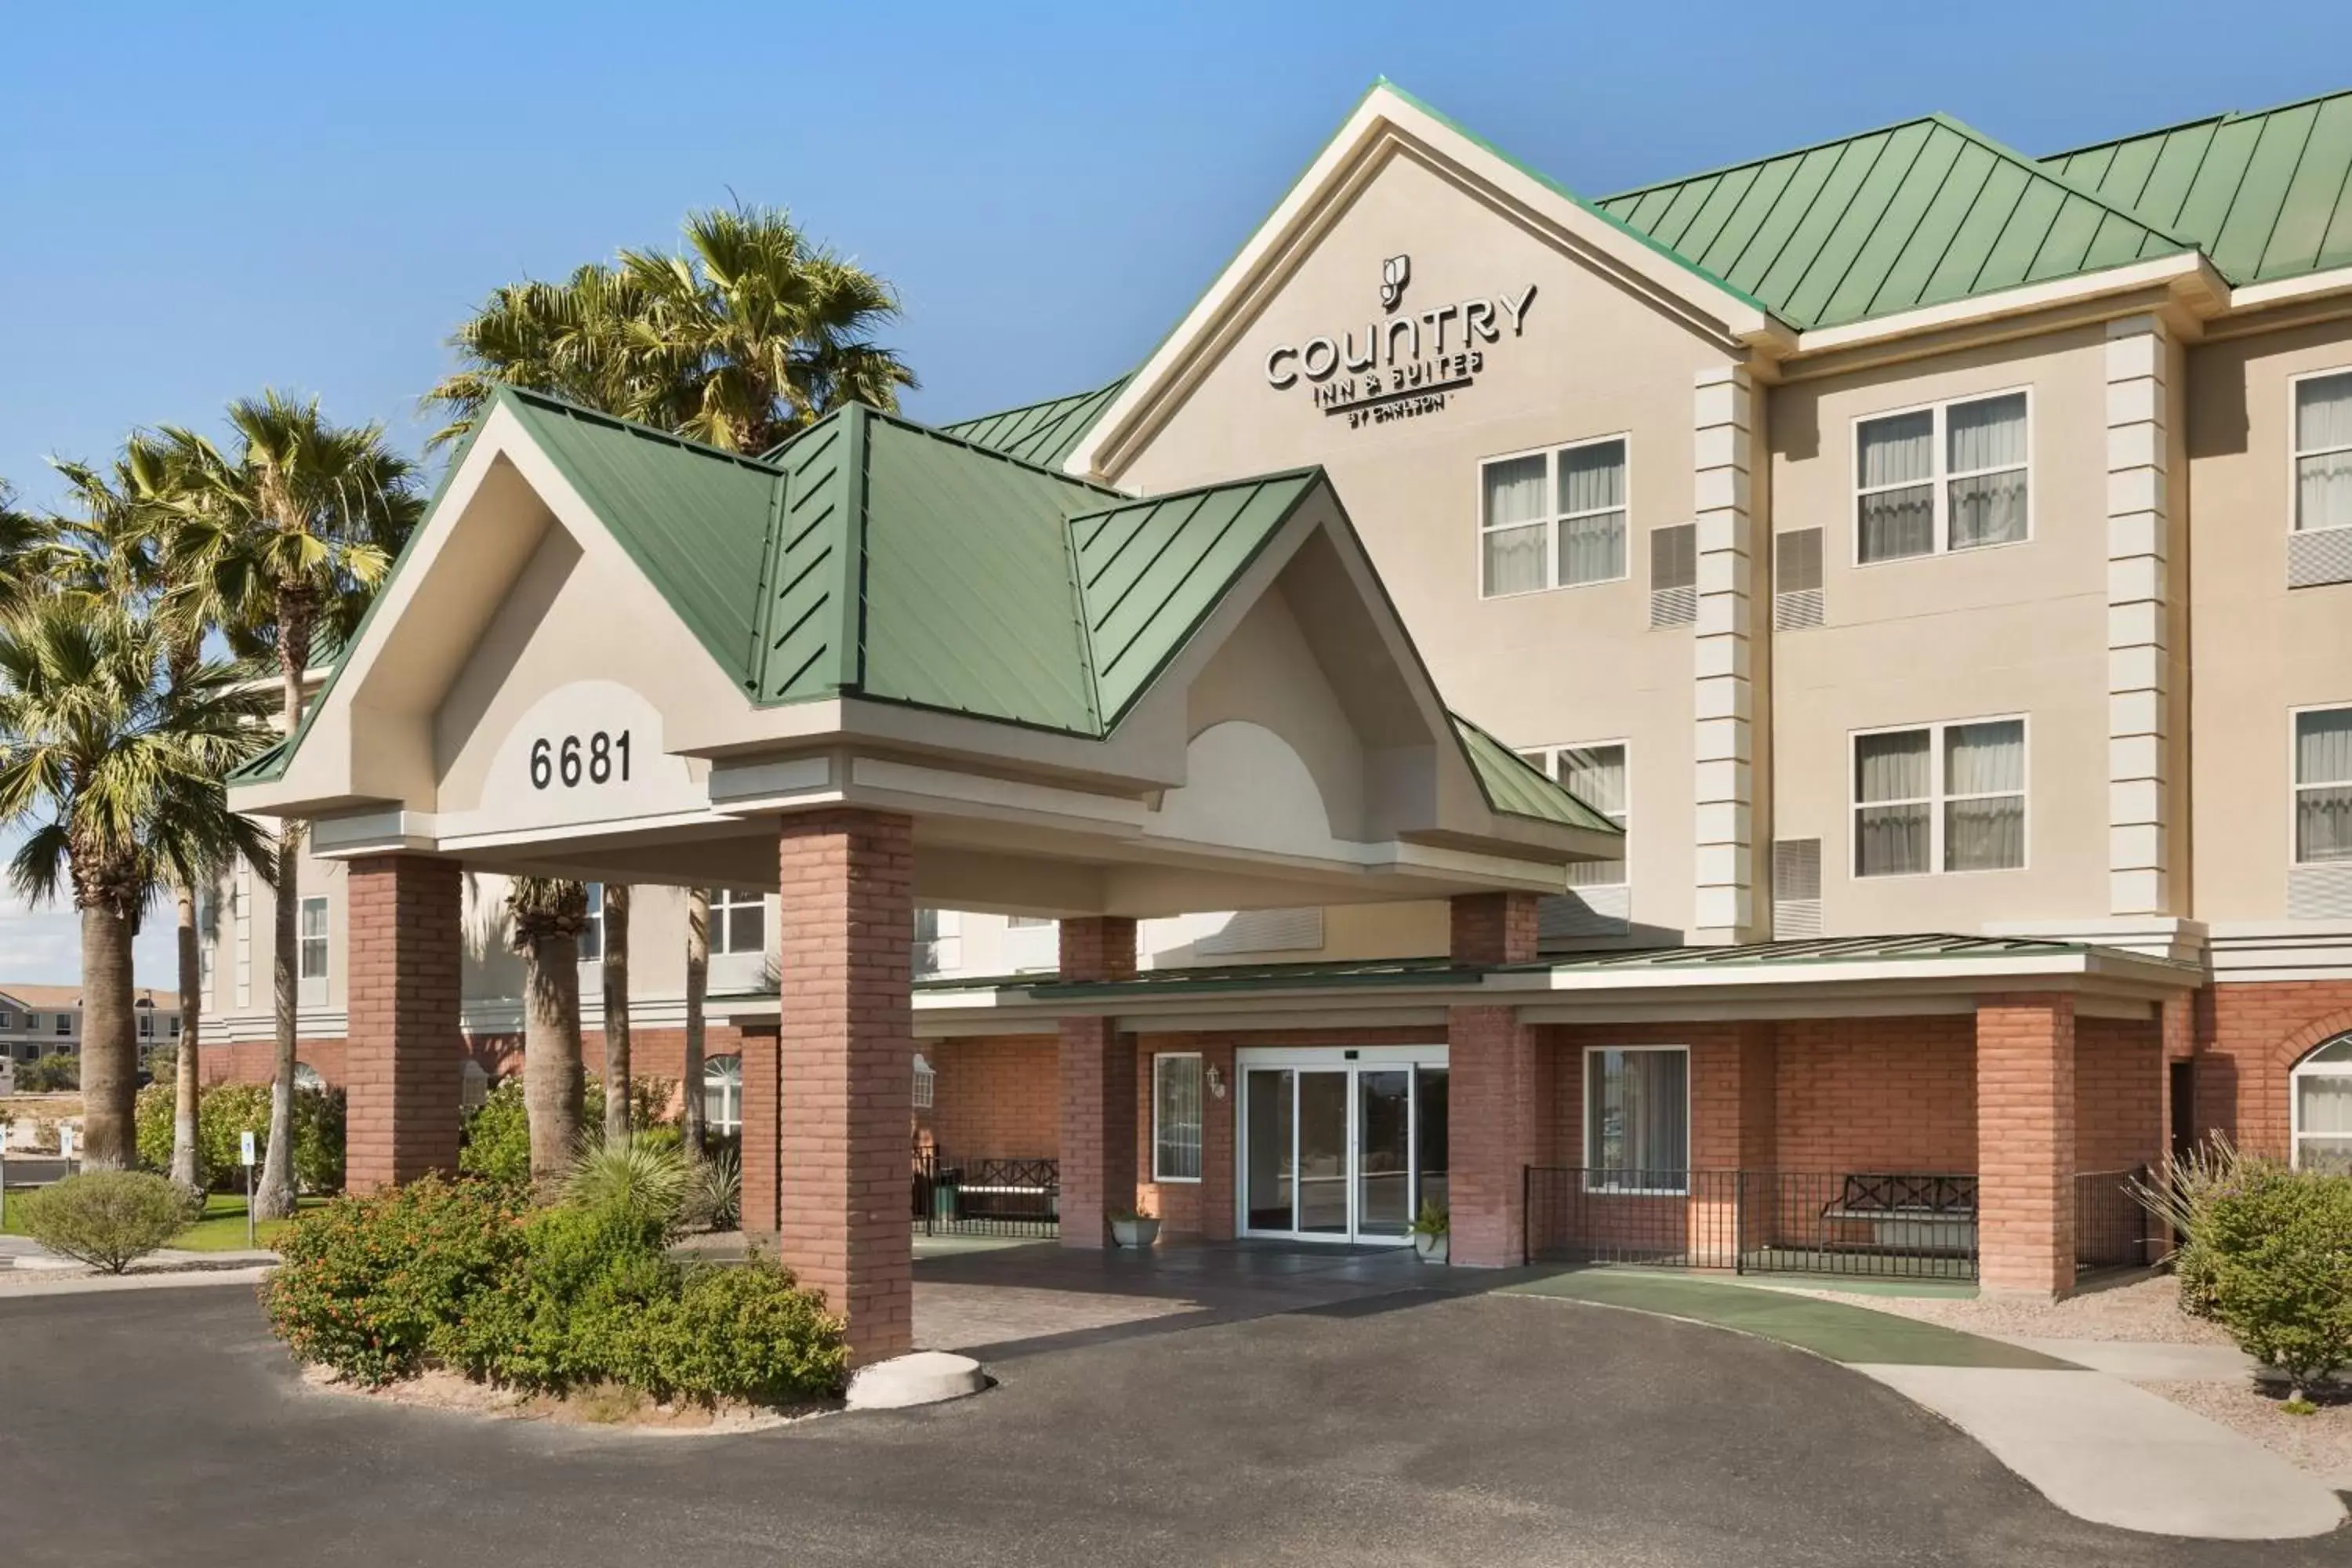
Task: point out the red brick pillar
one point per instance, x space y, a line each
846 1069
2026 1145
1098 1087
762 1130
1494 1099
405 1050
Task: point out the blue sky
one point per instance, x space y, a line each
197 202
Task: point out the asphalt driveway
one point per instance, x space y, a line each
165 1426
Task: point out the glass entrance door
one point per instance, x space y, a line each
1342 1150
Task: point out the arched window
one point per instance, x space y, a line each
308 1077
2322 1108
722 1095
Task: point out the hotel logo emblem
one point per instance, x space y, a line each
1394 273
1405 365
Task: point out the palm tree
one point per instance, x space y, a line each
547 916
737 341
115 764
616 1012
697 987
27 545
289 537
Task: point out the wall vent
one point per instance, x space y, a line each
1587 911
1264 930
1673 576
1797 580
1796 888
2319 557
2319 892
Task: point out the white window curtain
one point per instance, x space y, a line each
1984 783
1637 1119
1595 775
1176 1119
1515 524
1985 453
2323 779
2323 1109
1593 509
314 939
1893 810
591 937
1896 471
722 1095
2323 446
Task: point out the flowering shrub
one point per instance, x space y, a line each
367 1282
745 1332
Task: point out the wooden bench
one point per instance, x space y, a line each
1910 1211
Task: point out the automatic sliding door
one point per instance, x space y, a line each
1267 1149
1323 1153
1341 1154
1383 1152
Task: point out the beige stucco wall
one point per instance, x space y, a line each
1993 632
1568 665
2262 649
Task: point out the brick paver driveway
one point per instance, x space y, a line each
1411 1428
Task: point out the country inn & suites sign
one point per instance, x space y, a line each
1405 365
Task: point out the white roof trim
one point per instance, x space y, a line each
2187 273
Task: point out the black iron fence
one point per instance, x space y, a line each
1902 1225
2111 1229
986 1196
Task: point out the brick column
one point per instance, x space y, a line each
1493 1100
405 1050
762 1129
1098 1087
845 1069
2026 1145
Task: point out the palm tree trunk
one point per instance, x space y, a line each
187 1078
617 1013
697 985
109 1054
552 1087
274 1197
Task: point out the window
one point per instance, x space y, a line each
2323 452
2322 785
1028 922
64 1024
1176 1117
6 1022
927 1082
32 1023
1930 480
2322 1108
739 922
1637 1118
1553 520
592 935
175 1025
1945 796
722 1096
314 940
1595 775
146 1023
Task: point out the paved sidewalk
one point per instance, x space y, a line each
2058 1413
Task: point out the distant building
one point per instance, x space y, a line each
38 1021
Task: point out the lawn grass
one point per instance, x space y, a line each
222 1229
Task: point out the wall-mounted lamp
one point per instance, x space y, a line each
1217 1083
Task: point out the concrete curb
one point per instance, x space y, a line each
925 1377
45 1282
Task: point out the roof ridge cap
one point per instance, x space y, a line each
529 394
2065 181
1156 498
2219 117
1719 170
950 426
937 433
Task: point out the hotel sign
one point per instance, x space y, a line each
1405 365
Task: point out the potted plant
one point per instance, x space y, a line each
1430 1232
1130 1228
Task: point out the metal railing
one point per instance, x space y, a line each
986 1196
1915 1226
2111 1229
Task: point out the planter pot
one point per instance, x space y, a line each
1431 1249
1138 1233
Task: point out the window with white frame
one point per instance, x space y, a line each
146 1023
722 1095
1637 1118
1176 1117
2323 451
739 922
592 935
314 942
2322 785
6 1021
1947 797
1595 775
64 1024
1952 476
1552 519
2322 1085
175 1025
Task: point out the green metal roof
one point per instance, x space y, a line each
1916 213
1513 784
2265 194
1043 433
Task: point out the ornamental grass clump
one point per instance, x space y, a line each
107 1219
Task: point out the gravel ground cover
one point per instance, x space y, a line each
2147 1310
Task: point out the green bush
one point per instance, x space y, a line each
742 1332
496 1140
107 1219
714 1196
50 1075
2269 1259
227 1109
562 1316
367 1282
648 1178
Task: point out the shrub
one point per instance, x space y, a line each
227 1109
647 1178
2271 1259
367 1282
107 1219
562 1316
742 1332
714 1196
50 1075
496 1140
